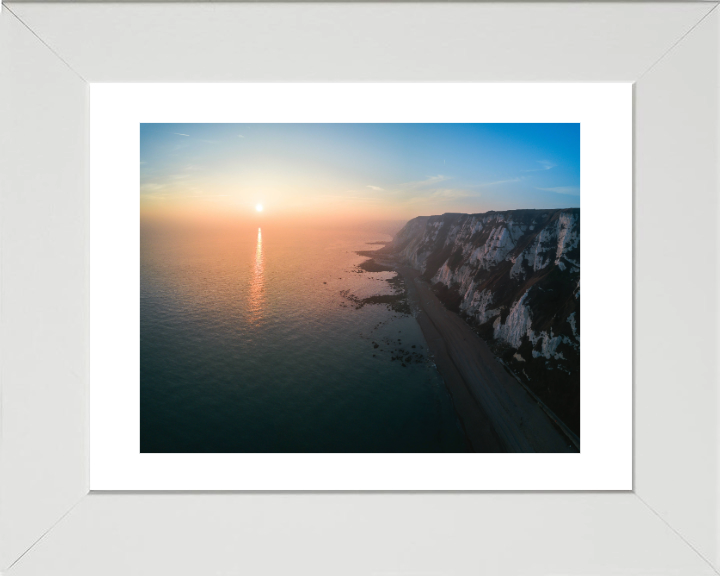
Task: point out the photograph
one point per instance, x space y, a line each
359 288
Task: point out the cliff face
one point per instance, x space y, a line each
515 276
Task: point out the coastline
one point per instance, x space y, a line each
479 432
496 411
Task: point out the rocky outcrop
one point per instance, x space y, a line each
515 276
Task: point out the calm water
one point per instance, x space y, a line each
248 346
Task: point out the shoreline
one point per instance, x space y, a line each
476 424
496 412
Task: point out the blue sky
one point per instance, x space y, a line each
390 170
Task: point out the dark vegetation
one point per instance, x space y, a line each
547 378
367 253
449 296
396 302
372 266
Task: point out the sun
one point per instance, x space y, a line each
259 208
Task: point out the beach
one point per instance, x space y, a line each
496 412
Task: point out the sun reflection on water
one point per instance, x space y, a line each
255 304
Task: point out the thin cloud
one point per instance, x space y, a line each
448 193
496 182
178 134
377 188
439 194
241 136
151 187
341 197
544 165
568 190
425 190
429 181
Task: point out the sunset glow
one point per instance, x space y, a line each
256 300
354 172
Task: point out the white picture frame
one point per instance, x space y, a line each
49 523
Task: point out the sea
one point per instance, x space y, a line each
250 343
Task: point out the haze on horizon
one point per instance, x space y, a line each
353 172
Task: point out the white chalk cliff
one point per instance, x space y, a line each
515 275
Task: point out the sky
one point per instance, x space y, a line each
355 171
